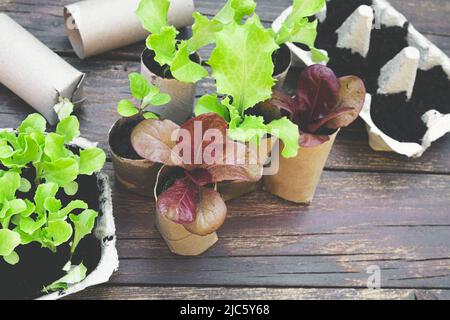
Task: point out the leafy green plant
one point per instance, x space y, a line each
31 211
243 76
146 94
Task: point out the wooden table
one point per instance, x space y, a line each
371 209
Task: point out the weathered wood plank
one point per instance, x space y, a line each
225 293
398 222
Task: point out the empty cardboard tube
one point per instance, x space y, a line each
98 26
297 178
34 72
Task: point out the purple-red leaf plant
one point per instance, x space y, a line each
323 103
201 148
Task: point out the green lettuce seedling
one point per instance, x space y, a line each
146 94
30 211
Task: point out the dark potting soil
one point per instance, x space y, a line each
148 58
398 118
120 140
281 59
39 267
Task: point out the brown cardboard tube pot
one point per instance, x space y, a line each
179 240
132 172
282 62
34 72
98 26
322 106
181 108
297 178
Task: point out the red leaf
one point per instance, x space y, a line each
152 140
238 163
199 176
197 128
282 101
317 95
211 213
309 140
178 203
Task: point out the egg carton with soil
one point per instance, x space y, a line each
407 77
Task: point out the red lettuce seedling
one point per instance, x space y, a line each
323 103
213 159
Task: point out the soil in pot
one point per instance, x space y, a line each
120 141
148 58
39 267
281 59
401 119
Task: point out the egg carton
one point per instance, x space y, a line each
397 76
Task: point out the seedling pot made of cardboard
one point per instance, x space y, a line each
39 267
135 175
178 239
297 178
181 107
282 61
98 26
34 72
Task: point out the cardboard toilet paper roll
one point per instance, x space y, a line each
97 26
33 71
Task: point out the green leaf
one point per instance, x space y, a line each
252 129
12 259
303 9
54 146
210 103
9 183
164 45
5 150
138 85
302 31
58 232
63 213
9 240
75 275
44 191
126 108
158 99
319 55
287 132
25 185
242 63
153 14
91 160
203 32
69 128
61 171
235 115
64 108
236 10
150 115
34 122
29 151
29 210
184 69
71 188
84 223
51 204
30 226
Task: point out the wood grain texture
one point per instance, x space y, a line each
371 208
226 293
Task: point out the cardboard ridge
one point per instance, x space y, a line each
98 26
34 72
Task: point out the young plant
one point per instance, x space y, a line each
30 211
146 94
322 105
188 201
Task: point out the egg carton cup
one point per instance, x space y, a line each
105 232
398 75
